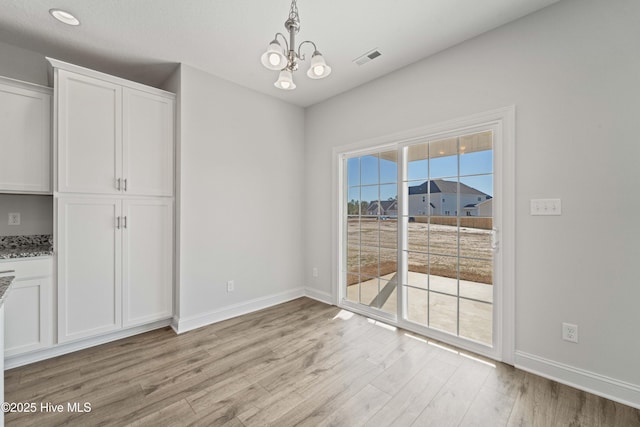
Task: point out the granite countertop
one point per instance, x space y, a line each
5 282
25 246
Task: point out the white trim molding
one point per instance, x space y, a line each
600 385
60 349
181 325
317 295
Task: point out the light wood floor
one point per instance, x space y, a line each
299 363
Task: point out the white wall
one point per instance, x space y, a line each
36 214
572 71
240 195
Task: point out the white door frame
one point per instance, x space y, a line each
502 123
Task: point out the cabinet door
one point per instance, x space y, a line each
28 316
25 139
89 267
147 261
89 134
148 143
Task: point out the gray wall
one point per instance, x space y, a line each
572 71
240 194
22 64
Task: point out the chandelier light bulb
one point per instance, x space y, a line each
273 58
285 81
319 68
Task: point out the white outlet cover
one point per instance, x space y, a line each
570 332
14 218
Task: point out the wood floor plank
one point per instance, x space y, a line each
174 415
490 407
299 363
394 378
451 403
406 405
357 410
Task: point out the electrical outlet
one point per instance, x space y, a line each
14 218
570 332
315 271
231 286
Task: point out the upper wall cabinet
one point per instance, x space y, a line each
25 137
113 136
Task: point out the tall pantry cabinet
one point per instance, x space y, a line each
114 182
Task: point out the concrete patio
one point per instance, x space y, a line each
437 309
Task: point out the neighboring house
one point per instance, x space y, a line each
485 208
383 208
440 198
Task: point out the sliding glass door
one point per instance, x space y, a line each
418 235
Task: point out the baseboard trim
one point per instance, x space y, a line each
193 322
601 385
60 349
317 295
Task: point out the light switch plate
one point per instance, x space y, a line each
546 207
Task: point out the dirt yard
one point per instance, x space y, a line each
432 250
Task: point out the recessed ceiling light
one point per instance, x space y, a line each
64 17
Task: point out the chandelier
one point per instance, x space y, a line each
286 60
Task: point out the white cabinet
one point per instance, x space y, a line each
147 255
148 134
114 202
25 137
89 267
28 306
115 264
2 362
113 136
89 134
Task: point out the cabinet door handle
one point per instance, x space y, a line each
125 184
7 271
118 222
118 182
124 222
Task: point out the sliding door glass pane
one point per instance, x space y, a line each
372 230
448 234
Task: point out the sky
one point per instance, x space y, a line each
368 171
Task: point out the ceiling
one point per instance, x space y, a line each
143 40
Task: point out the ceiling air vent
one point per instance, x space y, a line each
363 59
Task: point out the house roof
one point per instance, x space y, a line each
443 186
385 204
